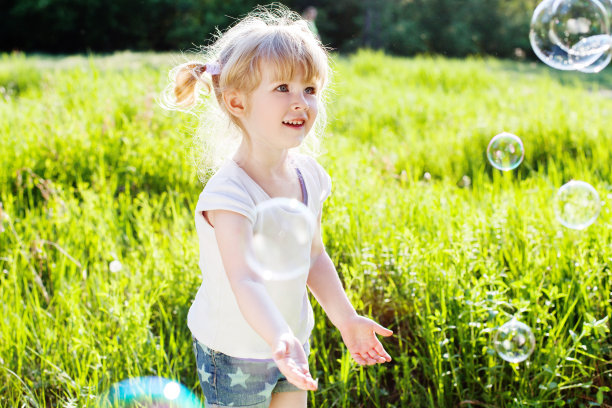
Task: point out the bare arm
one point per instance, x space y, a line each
233 232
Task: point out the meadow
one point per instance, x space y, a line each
429 239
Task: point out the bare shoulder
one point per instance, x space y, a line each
233 234
225 219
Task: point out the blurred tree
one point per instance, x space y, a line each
405 27
68 26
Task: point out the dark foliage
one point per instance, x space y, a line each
404 27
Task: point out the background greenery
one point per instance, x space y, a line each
93 170
404 27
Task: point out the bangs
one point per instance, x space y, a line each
288 53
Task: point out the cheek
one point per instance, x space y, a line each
313 107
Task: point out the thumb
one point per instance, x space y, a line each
281 349
383 331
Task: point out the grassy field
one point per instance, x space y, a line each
93 170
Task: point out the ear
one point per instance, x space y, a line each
235 102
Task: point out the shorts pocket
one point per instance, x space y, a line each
207 371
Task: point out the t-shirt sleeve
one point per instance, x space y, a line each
226 194
325 183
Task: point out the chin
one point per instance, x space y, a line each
298 141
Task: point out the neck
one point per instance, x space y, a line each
260 159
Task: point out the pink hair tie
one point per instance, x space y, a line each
213 68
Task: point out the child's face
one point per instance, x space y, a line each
280 113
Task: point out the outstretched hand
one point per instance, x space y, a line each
291 360
359 335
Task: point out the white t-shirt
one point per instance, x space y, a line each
214 317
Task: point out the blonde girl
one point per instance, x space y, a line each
267 74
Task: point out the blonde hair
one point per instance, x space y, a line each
272 34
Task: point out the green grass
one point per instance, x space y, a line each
94 170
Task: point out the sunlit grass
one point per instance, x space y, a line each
93 170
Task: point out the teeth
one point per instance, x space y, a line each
294 122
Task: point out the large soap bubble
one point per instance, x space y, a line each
599 64
570 34
577 205
577 20
149 392
505 151
514 341
605 59
282 237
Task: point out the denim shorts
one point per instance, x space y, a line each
238 382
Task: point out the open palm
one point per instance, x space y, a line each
291 360
359 335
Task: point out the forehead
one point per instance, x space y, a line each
271 72
293 70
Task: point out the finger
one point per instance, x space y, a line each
305 372
382 352
302 381
383 331
375 356
298 383
311 384
297 371
303 365
366 357
358 359
295 378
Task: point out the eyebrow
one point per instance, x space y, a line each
286 81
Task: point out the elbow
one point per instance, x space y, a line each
245 282
316 256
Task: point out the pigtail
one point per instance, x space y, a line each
187 82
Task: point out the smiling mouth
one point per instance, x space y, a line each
294 123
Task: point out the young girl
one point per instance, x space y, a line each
250 335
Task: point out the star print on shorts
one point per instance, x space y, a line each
236 382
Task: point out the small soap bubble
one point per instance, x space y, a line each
115 266
514 341
570 34
577 205
149 392
505 151
282 238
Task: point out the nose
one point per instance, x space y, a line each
300 103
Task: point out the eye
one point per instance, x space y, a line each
310 90
282 88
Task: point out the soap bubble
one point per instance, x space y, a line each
570 34
505 151
599 64
605 59
514 341
115 266
149 392
577 20
593 45
577 205
282 237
